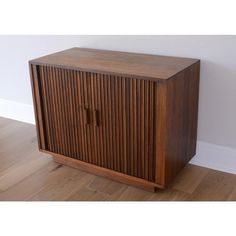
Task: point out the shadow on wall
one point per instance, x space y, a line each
217 104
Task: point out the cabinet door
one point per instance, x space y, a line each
64 111
124 117
106 120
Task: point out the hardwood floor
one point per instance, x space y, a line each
27 174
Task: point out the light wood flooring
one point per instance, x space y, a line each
27 174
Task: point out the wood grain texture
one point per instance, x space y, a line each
27 174
181 120
34 75
66 96
216 186
232 195
127 123
138 65
189 178
123 178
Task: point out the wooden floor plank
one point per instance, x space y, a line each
189 178
17 142
17 173
28 187
99 189
232 196
61 184
27 174
134 194
215 186
106 186
86 194
169 195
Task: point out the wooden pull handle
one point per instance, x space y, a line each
86 116
96 117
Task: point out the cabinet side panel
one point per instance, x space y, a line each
182 113
35 86
193 93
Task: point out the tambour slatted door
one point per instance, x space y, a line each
100 119
129 117
64 109
124 124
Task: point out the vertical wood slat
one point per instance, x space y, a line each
94 157
56 114
61 107
138 116
142 123
124 129
106 135
124 139
86 105
35 78
152 128
119 125
99 137
133 153
104 122
112 122
64 85
115 104
77 120
93 105
146 128
109 121
126 117
54 91
79 101
54 109
66 110
46 102
72 115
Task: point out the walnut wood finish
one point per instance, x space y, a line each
137 126
119 63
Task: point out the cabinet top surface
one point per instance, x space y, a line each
121 63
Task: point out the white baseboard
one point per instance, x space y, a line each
208 155
17 111
215 157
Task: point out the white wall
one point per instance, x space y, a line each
15 52
217 108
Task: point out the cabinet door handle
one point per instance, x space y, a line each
96 117
86 116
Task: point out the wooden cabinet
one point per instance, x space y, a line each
129 117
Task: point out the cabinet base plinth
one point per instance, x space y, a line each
113 175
